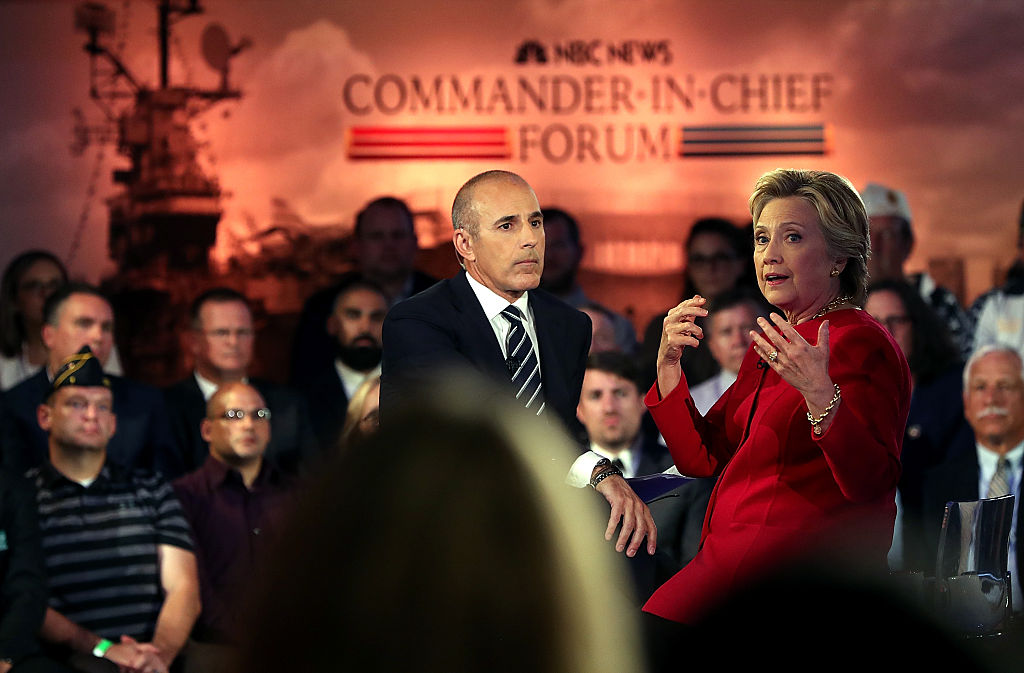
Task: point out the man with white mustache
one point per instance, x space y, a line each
994 407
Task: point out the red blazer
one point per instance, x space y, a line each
781 489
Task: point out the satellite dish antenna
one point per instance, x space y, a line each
216 47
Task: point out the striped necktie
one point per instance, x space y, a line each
1000 484
523 366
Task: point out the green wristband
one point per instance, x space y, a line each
101 648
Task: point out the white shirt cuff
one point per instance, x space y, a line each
579 473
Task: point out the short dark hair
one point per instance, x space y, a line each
54 302
383 202
570 222
356 281
616 363
738 296
724 228
220 295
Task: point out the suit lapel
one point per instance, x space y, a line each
553 377
478 337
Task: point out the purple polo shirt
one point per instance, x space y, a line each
233 528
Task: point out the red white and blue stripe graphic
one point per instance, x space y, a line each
420 142
745 141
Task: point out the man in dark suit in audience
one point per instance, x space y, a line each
78 315
355 325
221 341
988 468
612 411
383 250
491 319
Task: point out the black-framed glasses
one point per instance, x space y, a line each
262 414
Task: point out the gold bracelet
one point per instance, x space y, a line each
816 422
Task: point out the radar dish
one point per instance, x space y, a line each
216 47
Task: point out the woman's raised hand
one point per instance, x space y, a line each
677 332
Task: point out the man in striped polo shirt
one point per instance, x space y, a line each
118 554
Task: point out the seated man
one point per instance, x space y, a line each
233 503
78 315
118 555
22 579
221 341
355 325
612 410
988 468
733 314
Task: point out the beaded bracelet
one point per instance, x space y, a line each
604 474
816 422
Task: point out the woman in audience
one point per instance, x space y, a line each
362 417
29 279
717 260
936 418
446 542
806 442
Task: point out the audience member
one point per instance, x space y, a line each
118 555
355 325
892 239
999 313
602 328
988 467
221 341
234 504
936 420
611 409
362 417
563 252
491 319
717 259
491 566
22 579
28 281
76 315
732 317
383 251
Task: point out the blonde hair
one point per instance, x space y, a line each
841 216
350 431
450 532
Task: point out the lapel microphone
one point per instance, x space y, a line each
512 362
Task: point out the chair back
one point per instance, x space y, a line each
972 583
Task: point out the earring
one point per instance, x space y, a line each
835 272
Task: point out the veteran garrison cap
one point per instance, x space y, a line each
81 369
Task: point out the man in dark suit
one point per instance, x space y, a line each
78 315
991 466
490 318
221 341
612 410
355 325
383 249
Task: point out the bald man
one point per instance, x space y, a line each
233 504
492 319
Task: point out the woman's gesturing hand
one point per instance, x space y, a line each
678 331
801 365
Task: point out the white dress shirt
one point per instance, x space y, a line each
493 304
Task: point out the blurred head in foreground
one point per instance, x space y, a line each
446 541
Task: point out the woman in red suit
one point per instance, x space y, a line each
806 443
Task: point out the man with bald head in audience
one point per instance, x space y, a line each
492 319
234 504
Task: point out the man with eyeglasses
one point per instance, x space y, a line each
234 504
76 315
221 343
124 592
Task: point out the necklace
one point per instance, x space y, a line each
832 305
